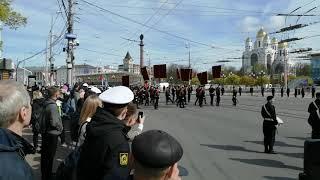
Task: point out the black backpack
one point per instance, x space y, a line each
43 121
37 109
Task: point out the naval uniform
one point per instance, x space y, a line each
218 96
314 118
281 91
211 91
313 91
268 113
273 91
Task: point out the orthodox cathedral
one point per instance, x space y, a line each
265 51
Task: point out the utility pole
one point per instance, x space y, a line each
50 53
46 68
70 37
141 51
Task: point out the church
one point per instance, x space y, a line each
128 65
265 51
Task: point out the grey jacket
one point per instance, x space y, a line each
53 118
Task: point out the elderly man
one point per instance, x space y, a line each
15 114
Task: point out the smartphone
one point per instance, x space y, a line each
140 114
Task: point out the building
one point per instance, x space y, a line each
83 69
315 67
129 66
265 51
6 69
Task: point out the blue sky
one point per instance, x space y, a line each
218 23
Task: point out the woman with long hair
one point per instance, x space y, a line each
89 108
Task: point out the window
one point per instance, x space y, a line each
259 44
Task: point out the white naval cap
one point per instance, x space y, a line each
85 85
117 95
95 89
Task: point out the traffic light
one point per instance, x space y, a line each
52 67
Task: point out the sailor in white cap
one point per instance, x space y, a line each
105 151
95 90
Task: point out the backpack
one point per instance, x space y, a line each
67 170
43 123
74 126
37 109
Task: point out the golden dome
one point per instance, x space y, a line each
261 33
248 40
283 45
266 38
274 40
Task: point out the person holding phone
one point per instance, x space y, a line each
135 120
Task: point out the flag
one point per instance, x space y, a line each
160 71
216 72
186 74
125 81
144 73
203 78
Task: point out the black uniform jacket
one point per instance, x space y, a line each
105 152
272 111
314 120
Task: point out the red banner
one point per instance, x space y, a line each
216 72
203 78
178 74
186 74
125 81
160 71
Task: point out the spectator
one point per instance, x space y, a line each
133 120
155 155
37 103
15 114
89 109
50 136
106 139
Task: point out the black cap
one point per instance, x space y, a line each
156 149
269 98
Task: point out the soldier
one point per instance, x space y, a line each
147 97
189 93
262 91
222 90
156 98
211 92
173 92
295 92
273 91
152 95
201 96
282 91
288 92
313 91
168 96
268 113
218 95
197 95
182 96
251 91
240 90
185 95
302 92
314 117
234 96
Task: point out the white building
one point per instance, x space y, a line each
266 52
84 69
128 65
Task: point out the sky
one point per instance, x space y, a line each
212 30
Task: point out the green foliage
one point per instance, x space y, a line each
195 81
9 17
303 70
258 68
232 80
262 80
218 81
247 80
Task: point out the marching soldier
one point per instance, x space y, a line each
302 92
262 91
173 92
314 117
201 96
182 96
185 95
240 90
222 90
288 92
152 95
156 98
273 91
282 91
218 95
197 95
234 96
147 97
211 91
168 96
189 93
295 92
268 113
313 91
251 91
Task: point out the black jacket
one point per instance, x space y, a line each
13 149
314 119
53 118
272 111
105 143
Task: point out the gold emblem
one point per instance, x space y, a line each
124 158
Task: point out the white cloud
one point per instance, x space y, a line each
250 24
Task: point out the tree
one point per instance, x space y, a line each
195 81
303 70
262 80
218 81
258 68
9 17
232 80
247 80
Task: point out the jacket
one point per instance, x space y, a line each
272 111
314 119
53 118
105 151
13 149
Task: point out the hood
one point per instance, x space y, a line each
11 142
104 122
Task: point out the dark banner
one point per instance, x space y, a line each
178 74
125 81
203 78
216 72
160 71
144 73
186 74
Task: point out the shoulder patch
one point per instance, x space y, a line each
124 158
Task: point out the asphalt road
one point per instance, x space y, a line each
226 142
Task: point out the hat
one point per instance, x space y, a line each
85 85
117 95
156 149
95 89
269 98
